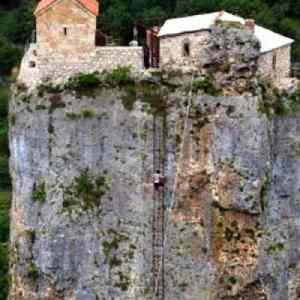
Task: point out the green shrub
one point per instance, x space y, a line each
85 191
5 200
294 101
9 55
207 86
119 76
86 113
4 278
39 192
275 248
124 281
275 102
109 248
153 97
33 273
4 172
73 116
130 96
83 82
4 98
4 149
49 88
40 107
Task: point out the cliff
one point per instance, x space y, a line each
83 213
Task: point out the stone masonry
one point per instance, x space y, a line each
275 64
65 46
172 52
36 68
65 28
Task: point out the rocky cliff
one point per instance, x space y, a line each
83 201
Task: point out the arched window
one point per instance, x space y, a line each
186 48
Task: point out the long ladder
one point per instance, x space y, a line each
158 222
168 212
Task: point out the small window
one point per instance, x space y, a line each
32 64
65 31
274 63
186 49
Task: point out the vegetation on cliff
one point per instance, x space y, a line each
4 235
4 192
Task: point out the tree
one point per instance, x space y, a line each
9 56
117 21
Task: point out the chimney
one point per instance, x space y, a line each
219 16
250 25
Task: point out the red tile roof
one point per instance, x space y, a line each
91 5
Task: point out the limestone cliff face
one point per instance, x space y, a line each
81 217
83 198
234 233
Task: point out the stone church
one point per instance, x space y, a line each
66 27
181 40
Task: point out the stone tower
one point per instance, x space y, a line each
66 27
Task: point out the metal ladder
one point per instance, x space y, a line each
158 222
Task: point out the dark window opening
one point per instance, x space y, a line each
32 64
274 61
186 49
65 31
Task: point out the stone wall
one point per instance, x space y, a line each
280 67
172 49
172 54
66 27
60 68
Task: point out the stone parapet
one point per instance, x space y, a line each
36 67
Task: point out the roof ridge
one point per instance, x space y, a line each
91 5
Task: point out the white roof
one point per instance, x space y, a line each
269 40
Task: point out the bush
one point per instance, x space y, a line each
9 56
87 113
33 272
207 86
294 101
39 192
4 279
119 76
83 82
4 98
4 236
85 191
49 88
4 172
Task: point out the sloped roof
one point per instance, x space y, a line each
269 40
91 5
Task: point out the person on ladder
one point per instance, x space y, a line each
158 180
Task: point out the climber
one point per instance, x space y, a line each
158 180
